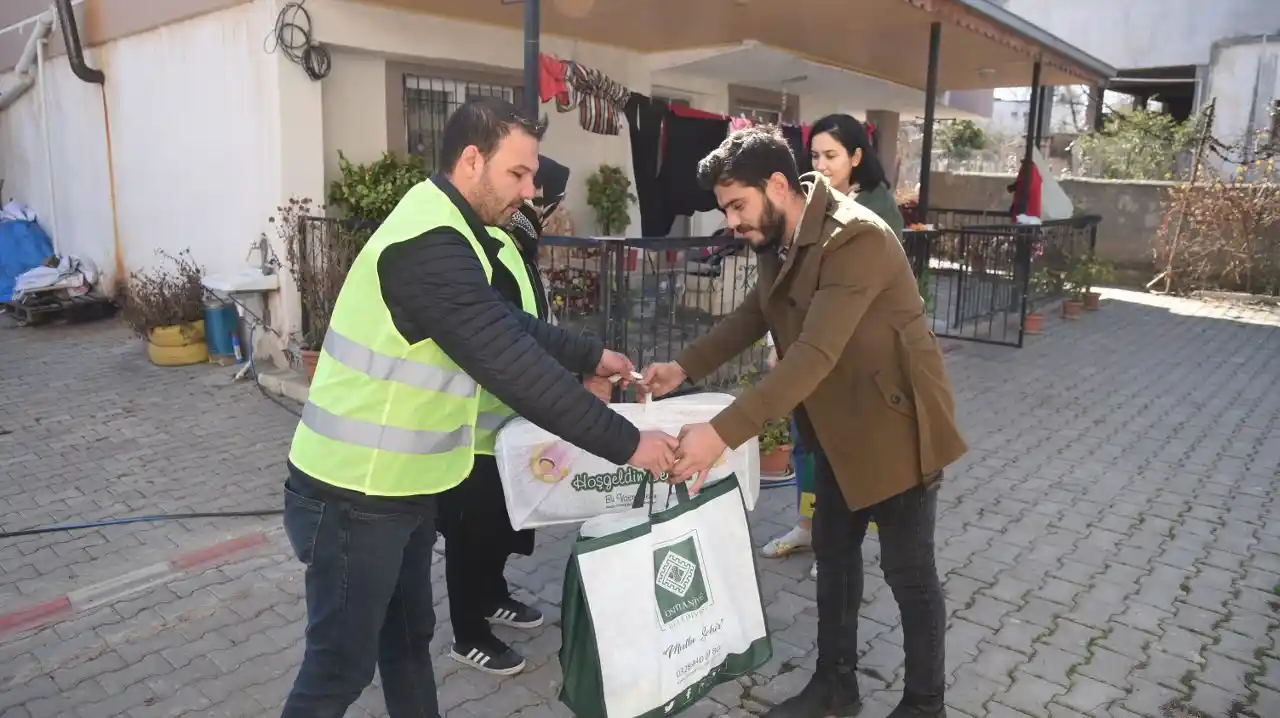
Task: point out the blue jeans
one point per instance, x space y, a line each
368 581
797 452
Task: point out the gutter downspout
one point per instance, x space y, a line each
22 71
75 51
48 145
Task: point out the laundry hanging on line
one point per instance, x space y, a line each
666 144
599 100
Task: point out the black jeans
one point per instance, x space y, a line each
478 540
906 525
368 582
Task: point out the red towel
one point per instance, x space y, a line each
682 111
550 78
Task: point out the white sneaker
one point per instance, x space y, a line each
793 541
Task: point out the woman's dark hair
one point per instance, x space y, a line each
853 135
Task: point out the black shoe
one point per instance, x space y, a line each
517 615
491 657
829 694
913 706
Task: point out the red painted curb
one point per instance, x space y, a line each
218 551
44 613
34 615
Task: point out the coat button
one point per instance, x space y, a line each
895 399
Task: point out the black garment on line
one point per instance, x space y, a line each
689 139
644 119
794 136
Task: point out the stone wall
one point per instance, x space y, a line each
1131 211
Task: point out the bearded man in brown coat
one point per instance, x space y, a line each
861 367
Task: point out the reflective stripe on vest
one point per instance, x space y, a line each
389 368
383 417
493 413
373 436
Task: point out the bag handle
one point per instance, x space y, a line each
680 490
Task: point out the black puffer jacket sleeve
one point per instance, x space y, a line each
435 288
577 352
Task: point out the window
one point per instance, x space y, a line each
757 113
428 102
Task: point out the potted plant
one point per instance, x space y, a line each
366 194
609 194
165 306
1090 274
319 253
775 447
1075 284
1044 283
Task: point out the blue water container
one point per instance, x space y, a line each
220 322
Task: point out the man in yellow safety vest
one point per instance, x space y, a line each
423 361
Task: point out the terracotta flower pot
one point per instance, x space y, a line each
775 462
1092 301
1071 308
1034 323
309 359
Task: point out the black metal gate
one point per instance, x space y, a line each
976 277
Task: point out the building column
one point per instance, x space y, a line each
1095 107
886 141
296 142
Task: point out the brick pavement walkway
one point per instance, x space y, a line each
1111 545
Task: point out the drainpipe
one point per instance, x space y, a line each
75 51
22 72
48 146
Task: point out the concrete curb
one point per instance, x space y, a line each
136 581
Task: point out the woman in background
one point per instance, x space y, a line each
840 149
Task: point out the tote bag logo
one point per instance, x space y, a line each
679 584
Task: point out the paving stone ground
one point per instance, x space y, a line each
1110 546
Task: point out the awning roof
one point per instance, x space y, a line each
983 45
769 68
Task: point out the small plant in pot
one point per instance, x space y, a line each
1044 283
1072 304
1090 274
609 194
775 447
165 306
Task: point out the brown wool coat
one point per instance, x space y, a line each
856 353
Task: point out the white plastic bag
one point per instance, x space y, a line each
549 481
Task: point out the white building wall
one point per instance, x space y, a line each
354 97
1246 82
77 140
186 105
1150 33
208 134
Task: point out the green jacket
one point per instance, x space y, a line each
880 200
